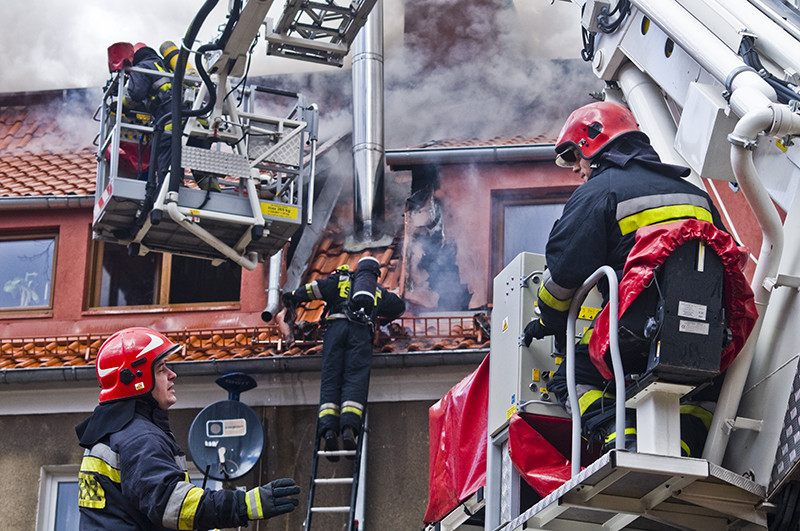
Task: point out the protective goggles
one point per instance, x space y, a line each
566 158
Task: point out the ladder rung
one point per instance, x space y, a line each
334 481
339 509
336 452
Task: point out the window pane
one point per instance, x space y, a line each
195 280
527 227
67 506
26 272
128 280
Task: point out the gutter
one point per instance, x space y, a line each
47 202
270 365
406 158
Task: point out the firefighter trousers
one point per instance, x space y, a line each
597 404
346 364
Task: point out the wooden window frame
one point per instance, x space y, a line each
41 234
162 291
517 197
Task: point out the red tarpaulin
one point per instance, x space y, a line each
458 431
537 458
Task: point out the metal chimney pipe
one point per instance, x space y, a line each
368 147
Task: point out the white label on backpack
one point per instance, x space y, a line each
693 327
691 310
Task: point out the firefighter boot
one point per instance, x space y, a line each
349 439
331 445
207 181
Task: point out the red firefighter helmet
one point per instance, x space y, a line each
591 128
126 360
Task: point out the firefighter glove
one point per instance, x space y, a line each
287 299
271 499
536 329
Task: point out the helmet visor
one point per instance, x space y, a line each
567 157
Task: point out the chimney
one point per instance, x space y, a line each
368 138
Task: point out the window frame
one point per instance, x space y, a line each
517 197
41 234
49 478
162 291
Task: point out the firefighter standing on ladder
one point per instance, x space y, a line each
354 301
626 187
133 474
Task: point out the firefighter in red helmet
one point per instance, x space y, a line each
626 186
133 475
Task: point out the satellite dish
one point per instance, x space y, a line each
226 438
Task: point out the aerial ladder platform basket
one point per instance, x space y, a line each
266 162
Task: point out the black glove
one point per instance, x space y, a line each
536 329
287 299
271 499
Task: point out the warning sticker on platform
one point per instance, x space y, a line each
279 211
693 327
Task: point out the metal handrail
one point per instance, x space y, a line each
616 361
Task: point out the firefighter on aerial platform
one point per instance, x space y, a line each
153 93
626 186
354 303
133 475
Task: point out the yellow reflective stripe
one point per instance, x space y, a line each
351 409
90 492
590 397
550 300
254 510
189 508
181 506
344 286
685 448
696 411
665 214
328 411
98 466
586 337
628 431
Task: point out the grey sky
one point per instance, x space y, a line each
57 44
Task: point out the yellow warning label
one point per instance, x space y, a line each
279 211
505 324
510 412
535 375
588 313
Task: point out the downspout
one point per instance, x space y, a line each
368 137
774 120
273 286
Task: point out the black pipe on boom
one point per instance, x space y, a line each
176 170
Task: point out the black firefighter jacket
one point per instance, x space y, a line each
135 479
629 188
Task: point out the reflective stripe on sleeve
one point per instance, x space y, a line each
182 506
546 297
